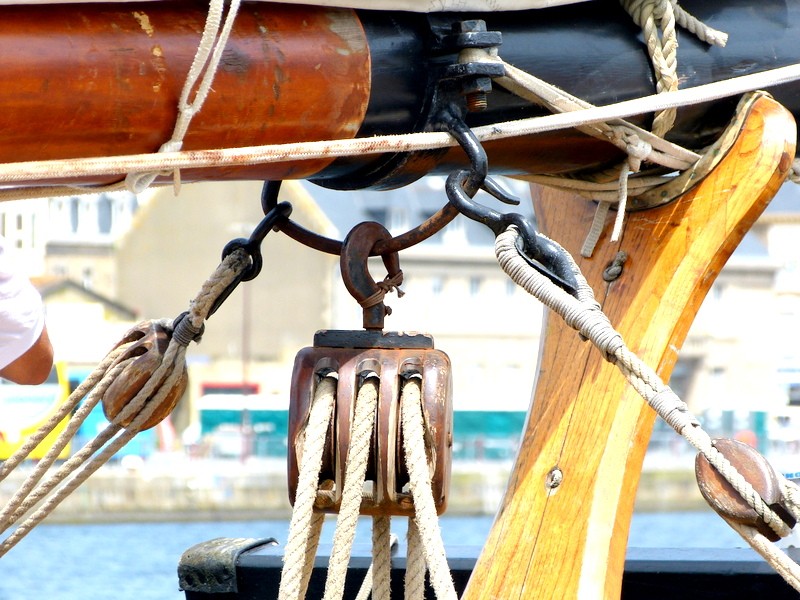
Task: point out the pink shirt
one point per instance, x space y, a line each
21 311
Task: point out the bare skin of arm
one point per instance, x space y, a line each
33 367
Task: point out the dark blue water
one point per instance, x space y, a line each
139 561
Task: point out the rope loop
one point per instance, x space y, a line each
590 321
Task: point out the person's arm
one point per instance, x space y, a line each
33 366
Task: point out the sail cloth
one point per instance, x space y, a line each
404 5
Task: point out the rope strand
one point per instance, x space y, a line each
584 314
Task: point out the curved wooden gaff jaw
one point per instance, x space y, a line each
569 541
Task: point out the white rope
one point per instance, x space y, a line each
415 564
425 547
794 174
774 556
382 541
657 20
204 68
305 526
355 471
791 495
626 136
584 314
425 516
378 580
697 28
60 484
596 229
121 165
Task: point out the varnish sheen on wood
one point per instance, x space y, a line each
104 80
570 541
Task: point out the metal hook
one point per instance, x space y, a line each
479 162
252 246
541 253
355 272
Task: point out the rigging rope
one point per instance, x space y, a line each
121 165
584 314
425 547
53 489
204 68
355 472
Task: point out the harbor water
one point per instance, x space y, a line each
138 561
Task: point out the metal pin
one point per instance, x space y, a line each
554 478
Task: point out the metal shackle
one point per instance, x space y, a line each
355 271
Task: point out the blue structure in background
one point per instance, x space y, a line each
143 444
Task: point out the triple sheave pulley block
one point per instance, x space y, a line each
392 359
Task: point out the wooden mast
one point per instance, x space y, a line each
570 541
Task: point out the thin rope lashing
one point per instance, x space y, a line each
204 68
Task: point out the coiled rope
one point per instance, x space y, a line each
584 314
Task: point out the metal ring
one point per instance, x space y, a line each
426 229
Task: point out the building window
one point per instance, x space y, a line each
19 222
86 278
379 215
794 394
437 285
475 284
243 388
73 214
104 217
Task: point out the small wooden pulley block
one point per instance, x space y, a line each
149 342
726 501
393 358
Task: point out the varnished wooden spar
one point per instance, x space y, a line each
86 80
569 541
103 80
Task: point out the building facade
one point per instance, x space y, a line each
739 368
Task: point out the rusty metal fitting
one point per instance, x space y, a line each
727 502
146 353
356 250
386 492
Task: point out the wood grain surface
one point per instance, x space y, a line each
570 541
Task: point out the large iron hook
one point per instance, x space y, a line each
541 253
478 174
